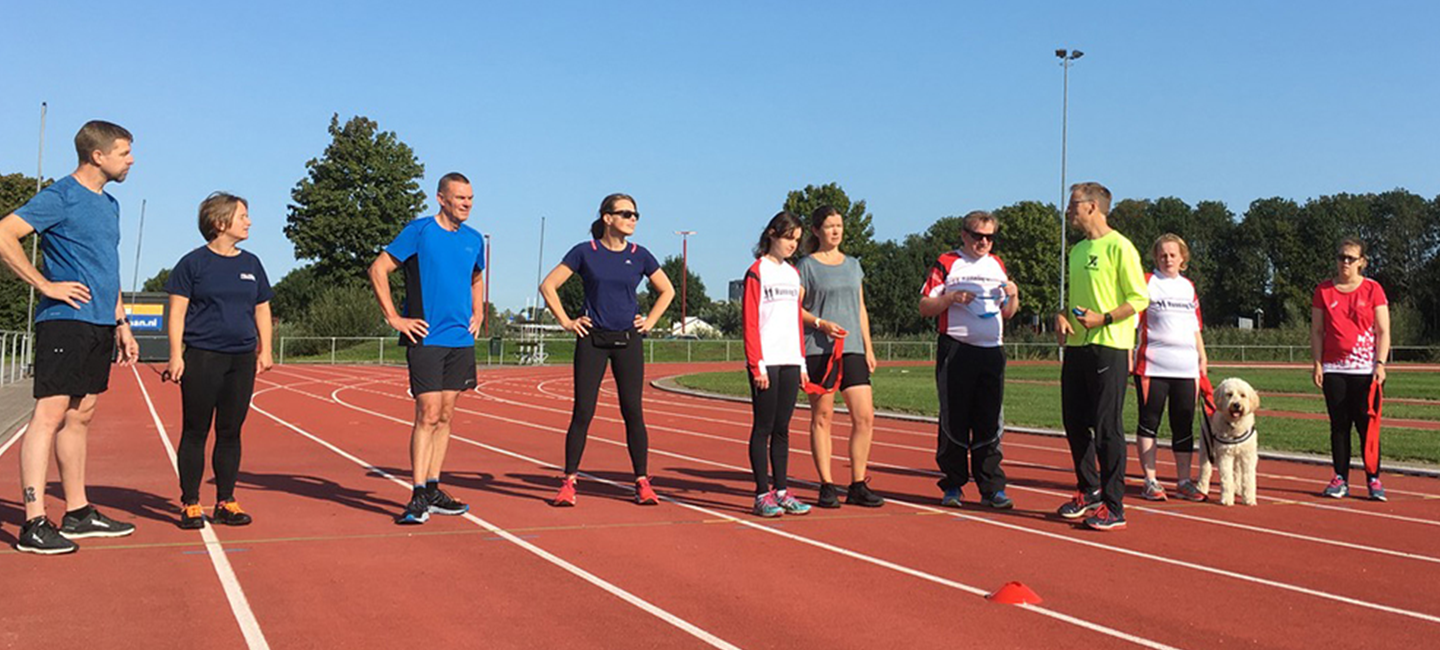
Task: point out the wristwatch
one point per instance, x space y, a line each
1109 319
119 322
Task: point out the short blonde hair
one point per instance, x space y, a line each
216 213
1167 238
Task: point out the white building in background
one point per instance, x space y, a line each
697 328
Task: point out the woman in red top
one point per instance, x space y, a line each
1350 340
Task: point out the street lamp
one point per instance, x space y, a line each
1066 57
486 303
684 271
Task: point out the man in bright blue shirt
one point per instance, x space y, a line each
80 324
444 309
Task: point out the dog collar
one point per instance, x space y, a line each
1247 436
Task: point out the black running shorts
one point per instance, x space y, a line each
433 368
854 371
72 358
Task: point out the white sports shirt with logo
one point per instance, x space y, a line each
1167 330
978 323
770 317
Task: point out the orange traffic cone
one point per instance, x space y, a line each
1015 593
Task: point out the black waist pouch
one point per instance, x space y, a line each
611 339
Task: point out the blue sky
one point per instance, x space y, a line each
708 113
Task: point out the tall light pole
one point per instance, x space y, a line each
1066 58
486 302
684 271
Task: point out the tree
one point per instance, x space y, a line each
572 296
1030 247
157 283
695 298
724 315
355 199
295 292
859 233
15 190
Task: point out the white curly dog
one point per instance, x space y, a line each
1232 435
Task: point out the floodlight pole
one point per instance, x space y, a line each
485 304
1066 57
35 243
684 271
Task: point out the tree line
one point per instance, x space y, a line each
1265 263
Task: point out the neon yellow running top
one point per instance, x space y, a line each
1104 274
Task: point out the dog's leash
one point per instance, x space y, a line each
164 374
1207 400
1371 453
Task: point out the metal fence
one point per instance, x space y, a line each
373 350
15 355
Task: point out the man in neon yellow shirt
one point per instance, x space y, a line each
1107 291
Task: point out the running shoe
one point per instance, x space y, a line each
1153 491
229 513
829 496
1103 519
88 522
441 503
416 512
1080 505
1338 488
999 500
951 498
644 494
765 506
192 516
39 536
859 494
790 504
1377 491
1186 490
566 497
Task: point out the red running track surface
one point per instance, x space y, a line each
324 566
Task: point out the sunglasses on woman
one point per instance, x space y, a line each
626 214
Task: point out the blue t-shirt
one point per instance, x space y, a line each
223 292
610 279
439 265
80 243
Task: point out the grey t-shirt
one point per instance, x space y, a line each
832 293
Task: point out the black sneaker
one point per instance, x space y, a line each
88 522
416 512
228 513
1105 520
441 503
39 536
829 496
860 495
1080 505
192 516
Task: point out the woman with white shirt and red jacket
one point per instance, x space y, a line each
775 360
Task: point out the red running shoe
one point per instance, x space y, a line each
566 497
644 494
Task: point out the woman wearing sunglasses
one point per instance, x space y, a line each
1350 340
609 332
972 295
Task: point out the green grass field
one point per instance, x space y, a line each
1032 399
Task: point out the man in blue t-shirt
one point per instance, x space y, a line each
444 309
78 327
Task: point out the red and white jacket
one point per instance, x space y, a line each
1167 329
978 323
771 318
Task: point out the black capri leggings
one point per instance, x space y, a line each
772 409
1151 394
215 386
1347 399
628 366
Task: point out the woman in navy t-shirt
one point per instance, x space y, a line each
609 331
219 339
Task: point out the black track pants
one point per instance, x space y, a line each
1092 396
970 381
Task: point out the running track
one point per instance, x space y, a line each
324 566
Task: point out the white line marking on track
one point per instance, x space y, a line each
591 578
11 441
239 605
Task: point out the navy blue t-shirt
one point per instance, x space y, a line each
223 292
611 278
80 243
439 265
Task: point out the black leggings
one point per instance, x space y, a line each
772 409
1347 399
1151 394
628 367
215 385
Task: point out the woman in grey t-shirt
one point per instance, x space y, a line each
835 304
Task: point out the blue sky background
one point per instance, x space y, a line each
709 113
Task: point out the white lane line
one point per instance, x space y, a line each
239 605
6 447
946 582
1115 549
591 578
